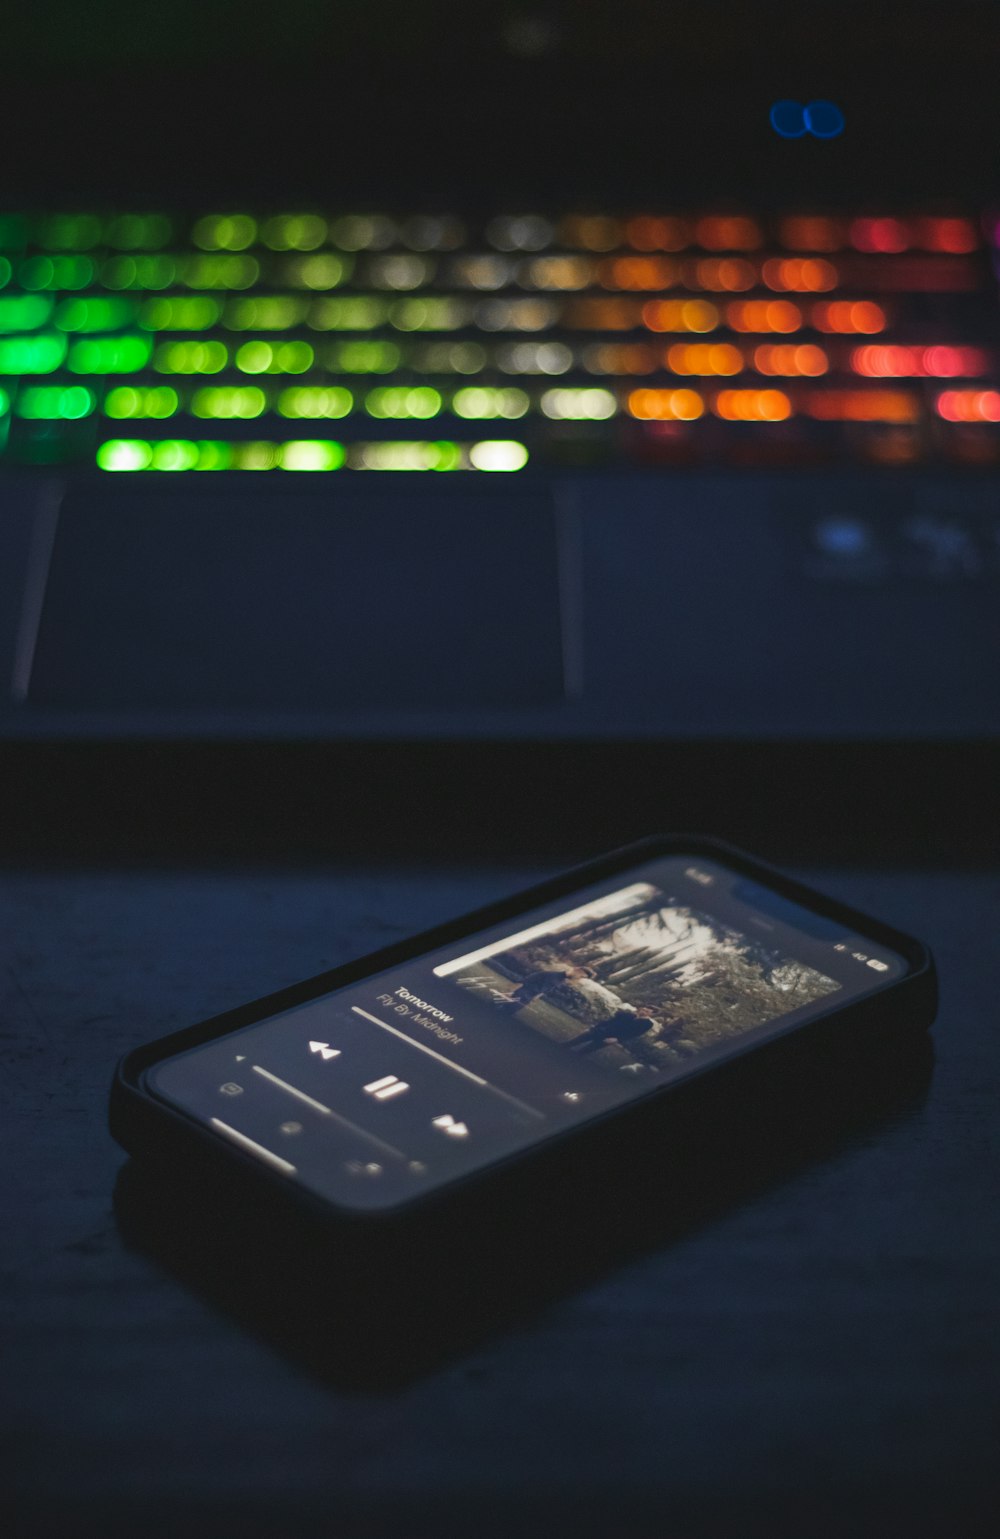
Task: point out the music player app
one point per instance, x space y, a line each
457 1059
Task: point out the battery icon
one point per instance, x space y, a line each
880 967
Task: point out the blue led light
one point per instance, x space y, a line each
789 119
824 119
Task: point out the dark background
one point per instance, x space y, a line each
442 104
788 1329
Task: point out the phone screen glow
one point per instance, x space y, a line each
449 1062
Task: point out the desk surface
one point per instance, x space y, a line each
818 1358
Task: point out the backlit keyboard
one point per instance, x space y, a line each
148 342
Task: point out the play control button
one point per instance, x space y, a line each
451 1127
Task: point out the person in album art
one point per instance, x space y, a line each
622 1028
540 982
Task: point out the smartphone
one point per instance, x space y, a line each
442 1062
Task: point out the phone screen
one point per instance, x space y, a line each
454 1060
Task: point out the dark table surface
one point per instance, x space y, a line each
815 1354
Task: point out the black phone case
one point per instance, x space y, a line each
760 1075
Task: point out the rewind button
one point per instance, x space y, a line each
449 1126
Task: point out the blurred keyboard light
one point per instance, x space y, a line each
229 401
666 405
69 232
969 405
320 270
535 358
174 454
431 312
214 455
127 401
680 315
804 275
191 357
259 357
878 361
56 272
562 273
484 272
790 358
879 235
139 272
704 358
400 270
362 357
293 232
219 270
764 315
722 274
311 454
362 232
94 314
956 237
403 402
849 315
638 273
516 314
224 232
956 362
268 312
109 355
24 312
124 454
315 401
168 454
534 298
479 403
256 455
54 402
408 454
180 313
520 232
498 454
292 358
578 405
348 312
752 405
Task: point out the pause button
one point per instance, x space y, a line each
385 1089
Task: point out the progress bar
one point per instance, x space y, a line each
299 1095
456 1068
327 1111
252 1148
